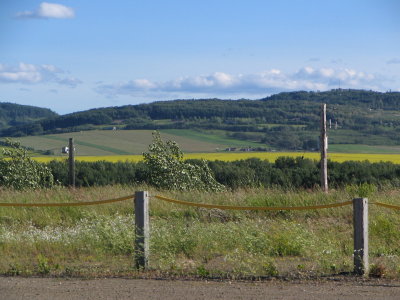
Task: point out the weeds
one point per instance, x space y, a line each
184 240
43 266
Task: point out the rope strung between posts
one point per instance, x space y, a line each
67 204
204 205
386 205
253 207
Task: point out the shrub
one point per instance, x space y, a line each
20 172
168 170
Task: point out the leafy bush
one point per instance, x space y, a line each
168 170
20 172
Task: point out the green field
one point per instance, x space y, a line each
135 142
122 142
359 148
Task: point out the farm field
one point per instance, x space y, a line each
131 142
123 142
359 148
97 241
232 156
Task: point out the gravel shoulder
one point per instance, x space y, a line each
117 288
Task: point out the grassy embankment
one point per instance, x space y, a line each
98 240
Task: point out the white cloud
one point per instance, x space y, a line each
32 74
229 85
49 11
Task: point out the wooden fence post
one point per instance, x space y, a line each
360 219
324 150
71 162
142 229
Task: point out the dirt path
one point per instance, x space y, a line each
97 289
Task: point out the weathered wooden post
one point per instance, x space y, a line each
142 229
360 221
324 150
71 162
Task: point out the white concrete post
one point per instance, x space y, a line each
142 229
360 218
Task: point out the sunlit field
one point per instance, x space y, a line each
224 156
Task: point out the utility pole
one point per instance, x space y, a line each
324 150
71 163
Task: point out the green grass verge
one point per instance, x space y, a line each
98 240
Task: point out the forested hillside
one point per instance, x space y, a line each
17 115
281 121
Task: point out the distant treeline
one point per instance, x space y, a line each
285 172
348 107
19 115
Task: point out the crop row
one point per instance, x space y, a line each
226 156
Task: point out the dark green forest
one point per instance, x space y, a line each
16 115
287 120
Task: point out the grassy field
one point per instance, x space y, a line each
119 142
98 240
367 149
213 137
131 142
232 156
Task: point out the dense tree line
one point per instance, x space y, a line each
15 115
284 108
285 172
368 99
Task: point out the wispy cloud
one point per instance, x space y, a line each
48 11
31 74
393 61
229 85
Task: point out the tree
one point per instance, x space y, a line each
168 170
20 172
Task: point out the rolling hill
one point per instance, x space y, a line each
285 121
16 115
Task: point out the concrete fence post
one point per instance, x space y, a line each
142 229
360 221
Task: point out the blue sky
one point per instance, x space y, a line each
75 55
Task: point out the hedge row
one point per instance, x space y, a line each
285 172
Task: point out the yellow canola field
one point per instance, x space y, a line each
224 156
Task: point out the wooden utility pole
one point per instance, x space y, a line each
324 150
71 163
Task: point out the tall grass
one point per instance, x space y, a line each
98 240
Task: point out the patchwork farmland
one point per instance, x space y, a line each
122 145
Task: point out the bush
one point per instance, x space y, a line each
168 170
20 172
